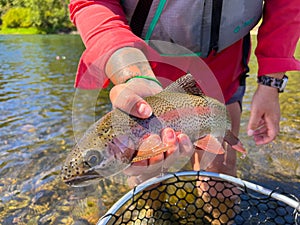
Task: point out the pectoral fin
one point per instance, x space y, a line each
210 144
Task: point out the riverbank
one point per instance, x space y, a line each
31 30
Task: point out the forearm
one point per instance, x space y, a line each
103 28
98 19
278 36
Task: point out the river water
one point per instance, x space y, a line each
36 132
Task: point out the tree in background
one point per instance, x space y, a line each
50 16
17 17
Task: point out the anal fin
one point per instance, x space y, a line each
210 144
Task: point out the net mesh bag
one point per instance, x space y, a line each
202 198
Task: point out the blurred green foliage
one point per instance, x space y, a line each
17 17
48 16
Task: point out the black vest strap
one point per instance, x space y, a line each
215 24
139 16
246 50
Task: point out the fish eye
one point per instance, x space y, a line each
92 157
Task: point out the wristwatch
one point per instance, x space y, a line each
273 82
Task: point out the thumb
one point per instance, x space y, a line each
255 121
127 100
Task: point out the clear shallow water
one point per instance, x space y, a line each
280 160
36 132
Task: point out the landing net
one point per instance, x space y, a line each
199 197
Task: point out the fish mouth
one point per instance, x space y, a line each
84 179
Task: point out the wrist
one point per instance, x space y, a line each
267 94
127 63
267 89
148 78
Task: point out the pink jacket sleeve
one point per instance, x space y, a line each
103 28
98 22
278 36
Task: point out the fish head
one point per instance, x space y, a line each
96 156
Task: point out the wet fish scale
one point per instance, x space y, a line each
110 144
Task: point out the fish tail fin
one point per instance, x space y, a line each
234 142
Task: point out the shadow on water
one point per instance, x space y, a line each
36 132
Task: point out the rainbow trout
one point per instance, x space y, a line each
114 142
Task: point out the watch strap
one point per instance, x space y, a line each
273 82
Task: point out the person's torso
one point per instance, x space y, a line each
196 26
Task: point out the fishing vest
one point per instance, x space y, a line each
197 25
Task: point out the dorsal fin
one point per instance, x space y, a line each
185 84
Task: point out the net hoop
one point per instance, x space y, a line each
294 203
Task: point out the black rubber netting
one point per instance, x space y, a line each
201 200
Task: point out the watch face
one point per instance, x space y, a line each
283 83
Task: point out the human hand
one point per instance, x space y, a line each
179 150
129 96
265 115
122 69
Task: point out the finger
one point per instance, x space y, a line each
169 139
149 146
147 166
127 100
141 163
272 129
182 155
255 121
155 166
155 160
168 136
262 139
260 130
181 149
273 126
186 147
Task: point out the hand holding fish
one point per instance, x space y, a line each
118 140
129 97
122 69
178 145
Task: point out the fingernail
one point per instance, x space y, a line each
144 110
250 132
169 135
